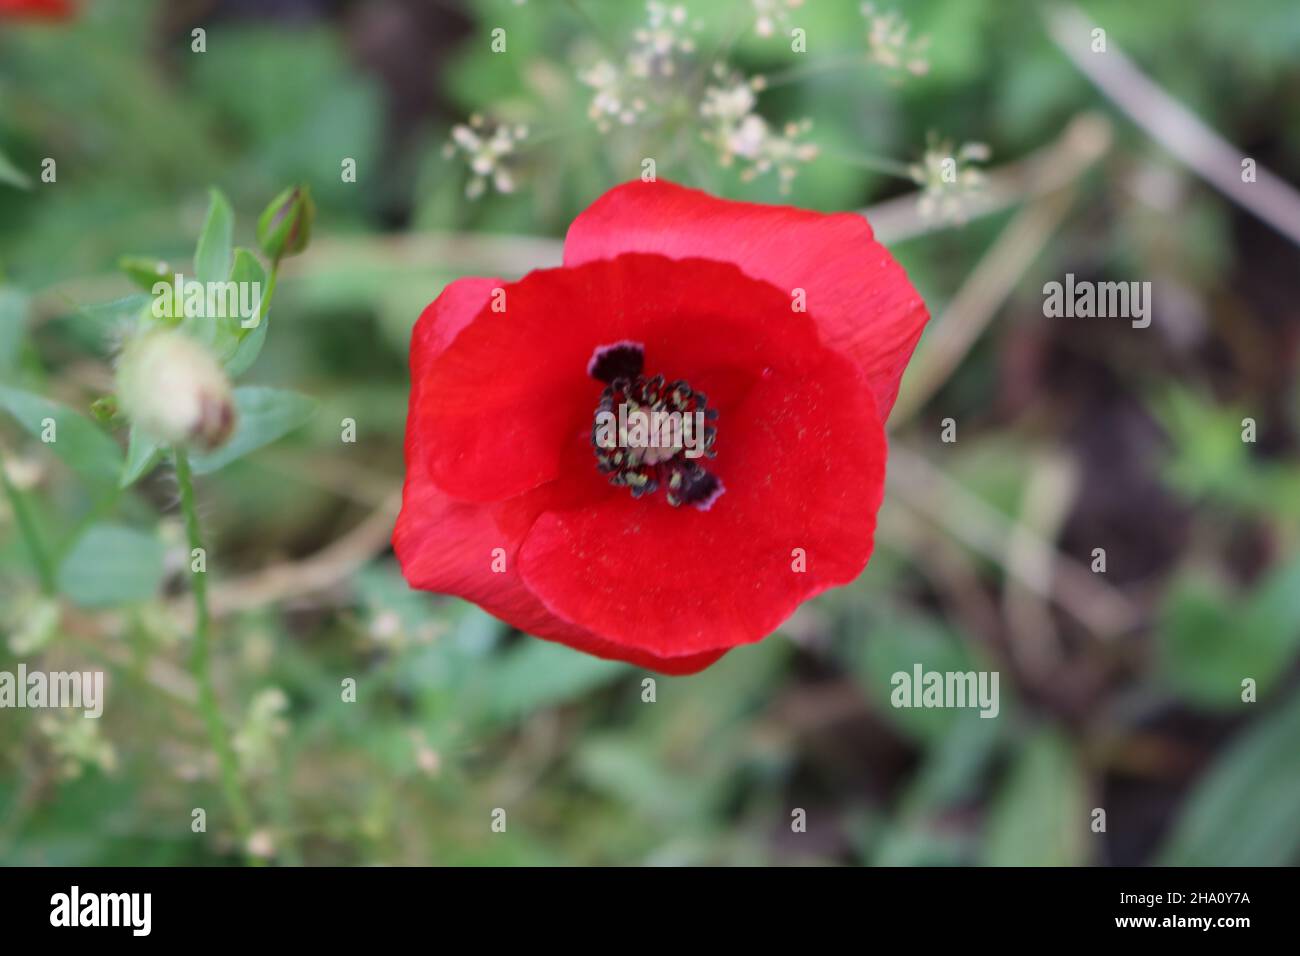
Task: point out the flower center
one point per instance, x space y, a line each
648 433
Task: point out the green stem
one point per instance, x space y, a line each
740 23
581 12
27 527
879 164
270 291
201 664
828 64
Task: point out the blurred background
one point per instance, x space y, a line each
1121 682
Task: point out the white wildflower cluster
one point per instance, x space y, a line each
947 179
77 745
773 15
388 630
737 132
617 98
891 45
427 759
658 43
622 91
487 149
32 622
264 724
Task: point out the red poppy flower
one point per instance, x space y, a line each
37 9
781 333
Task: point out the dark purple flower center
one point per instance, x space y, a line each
650 434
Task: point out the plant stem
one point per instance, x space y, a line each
27 527
265 304
596 31
878 164
200 660
827 65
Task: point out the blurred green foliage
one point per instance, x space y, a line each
456 716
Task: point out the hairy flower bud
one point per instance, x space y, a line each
174 390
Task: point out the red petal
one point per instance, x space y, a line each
444 545
511 393
858 295
674 666
802 460
447 546
500 414
50 9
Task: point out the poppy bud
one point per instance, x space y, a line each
175 390
104 408
284 227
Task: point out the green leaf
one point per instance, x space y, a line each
1243 811
954 764
1210 642
112 564
536 674
265 414
1208 459
212 256
142 453
213 260
248 270
126 309
625 771
74 438
1039 817
13 326
897 642
224 333
918 842
11 175
247 351
146 272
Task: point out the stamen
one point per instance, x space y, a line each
623 359
648 433
689 484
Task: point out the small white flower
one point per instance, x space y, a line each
947 178
261 845
33 622
487 150
76 744
616 96
890 43
386 626
773 14
736 131
263 725
728 104
426 758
